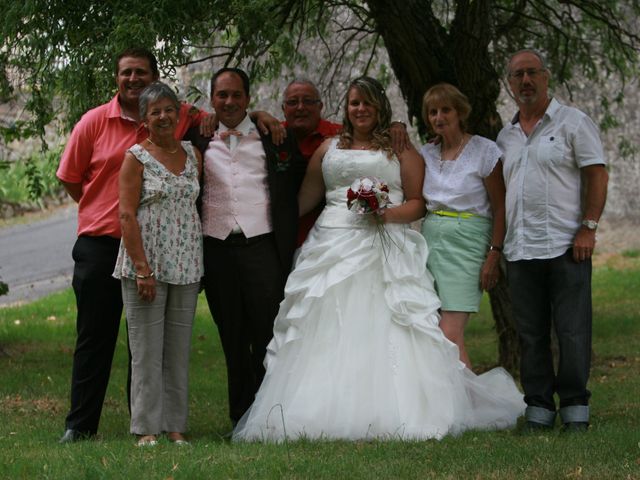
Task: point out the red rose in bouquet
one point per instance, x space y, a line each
368 195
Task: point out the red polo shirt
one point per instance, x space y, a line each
93 156
307 146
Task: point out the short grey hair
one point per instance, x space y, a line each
532 51
154 92
301 81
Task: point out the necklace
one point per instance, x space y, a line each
442 160
161 147
364 146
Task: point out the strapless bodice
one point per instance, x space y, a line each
340 168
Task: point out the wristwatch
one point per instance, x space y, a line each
590 224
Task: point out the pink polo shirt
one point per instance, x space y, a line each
93 156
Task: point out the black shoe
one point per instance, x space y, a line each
575 427
535 427
71 436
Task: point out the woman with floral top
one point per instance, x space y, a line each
160 265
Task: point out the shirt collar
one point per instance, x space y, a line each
246 126
324 129
114 110
551 110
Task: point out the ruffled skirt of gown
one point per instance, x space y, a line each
357 352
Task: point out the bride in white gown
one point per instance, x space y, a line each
357 352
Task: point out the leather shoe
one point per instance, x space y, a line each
575 427
71 436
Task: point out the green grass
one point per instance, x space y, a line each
34 388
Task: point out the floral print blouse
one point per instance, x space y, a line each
169 222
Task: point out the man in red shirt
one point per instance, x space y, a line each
89 170
302 107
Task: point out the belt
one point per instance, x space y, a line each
240 239
445 213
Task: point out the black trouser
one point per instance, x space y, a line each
553 291
244 284
99 304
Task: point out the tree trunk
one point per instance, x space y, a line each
423 53
508 345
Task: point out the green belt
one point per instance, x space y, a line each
445 213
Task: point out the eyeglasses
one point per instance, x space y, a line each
307 102
531 72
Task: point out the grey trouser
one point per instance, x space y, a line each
160 340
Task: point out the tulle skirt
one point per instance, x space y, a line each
357 352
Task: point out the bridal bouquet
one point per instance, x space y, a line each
368 195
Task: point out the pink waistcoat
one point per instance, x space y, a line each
235 189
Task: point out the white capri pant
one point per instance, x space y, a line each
160 342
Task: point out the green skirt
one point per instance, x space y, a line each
457 250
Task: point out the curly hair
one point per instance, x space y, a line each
373 93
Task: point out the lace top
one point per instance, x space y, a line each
458 185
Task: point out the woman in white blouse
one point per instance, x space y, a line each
465 223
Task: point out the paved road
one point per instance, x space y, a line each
35 258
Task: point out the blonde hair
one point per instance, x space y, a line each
449 95
373 93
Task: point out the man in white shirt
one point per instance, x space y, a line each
249 223
556 180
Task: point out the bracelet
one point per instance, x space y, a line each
496 248
144 277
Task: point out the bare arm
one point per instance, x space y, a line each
595 178
412 174
494 184
312 189
74 190
130 185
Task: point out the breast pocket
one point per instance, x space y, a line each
551 149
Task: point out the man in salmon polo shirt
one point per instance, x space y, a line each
89 170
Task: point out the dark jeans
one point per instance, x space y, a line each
244 284
99 305
554 292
